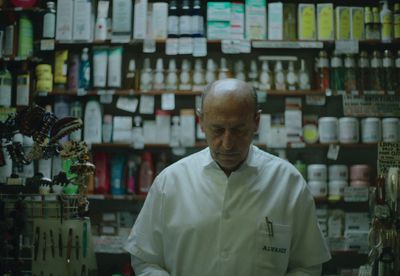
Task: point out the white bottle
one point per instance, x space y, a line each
304 78
223 72
280 77
49 21
92 132
137 133
175 132
184 76
239 70
100 32
386 16
210 73
146 77
291 77
172 76
253 75
198 76
265 77
159 83
5 87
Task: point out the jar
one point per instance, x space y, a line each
318 188
317 172
359 183
336 189
390 130
328 129
360 172
338 172
348 130
371 130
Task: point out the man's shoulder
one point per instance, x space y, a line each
194 160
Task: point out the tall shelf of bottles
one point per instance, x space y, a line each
147 85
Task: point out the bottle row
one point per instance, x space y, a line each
224 20
369 73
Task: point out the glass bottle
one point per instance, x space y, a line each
388 72
84 70
323 71
363 81
265 82
291 77
376 75
210 73
377 23
252 76
337 73
146 76
172 76
304 76
279 76
350 74
146 172
23 86
239 70
223 72
197 19
49 21
159 83
369 23
185 20
130 77
198 76
185 81
386 17
173 20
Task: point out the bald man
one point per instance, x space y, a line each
230 209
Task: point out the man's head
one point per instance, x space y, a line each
229 117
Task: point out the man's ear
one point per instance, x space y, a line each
199 115
257 120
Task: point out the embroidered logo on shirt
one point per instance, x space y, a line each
274 249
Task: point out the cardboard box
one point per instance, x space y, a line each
256 19
140 19
326 22
65 14
237 21
281 21
306 22
342 23
357 23
219 11
83 20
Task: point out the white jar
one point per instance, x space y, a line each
338 172
317 172
318 188
336 189
371 130
348 130
328 129
390 130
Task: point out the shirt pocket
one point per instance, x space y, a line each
272 251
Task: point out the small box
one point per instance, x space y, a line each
140 19
188 128
122 19
256 19
342 23
281 21
237 21
306 22
326 22
219 11
163 125
65 14
357 23
218 29
83 19
122 122
160 20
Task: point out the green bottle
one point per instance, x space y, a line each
25 37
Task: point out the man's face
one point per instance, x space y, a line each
229 125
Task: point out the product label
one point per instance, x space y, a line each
197 24
5 92
307 23
326 23
49 25
173 25
23 90
185 25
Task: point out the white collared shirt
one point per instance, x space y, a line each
196 221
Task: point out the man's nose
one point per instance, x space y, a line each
227 140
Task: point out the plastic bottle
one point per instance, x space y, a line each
336 73
146 77
84 70
197 19
117 175
239 70
376 76
291 77
92 122
304 76
25 37
185 20
223 72
198 75
159 82
265 77
76 111
280 76
131 176
5 86
100 32
386 18
389 80
49 21
130 77
210 73
252 76
350 74
146 173
23 86
185 82
363 81
173 20
172 76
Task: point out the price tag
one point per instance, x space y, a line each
106 98
199 47
244 46
171 46
333 152
81 92
318 100
353 194
346 46
149 46
185 45
228 47
127 104
168 101
47 44
146 104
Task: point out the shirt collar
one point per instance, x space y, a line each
250 162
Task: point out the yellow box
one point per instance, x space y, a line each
306 22
357 23
342 23
326 22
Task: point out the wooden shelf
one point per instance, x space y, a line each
116 197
